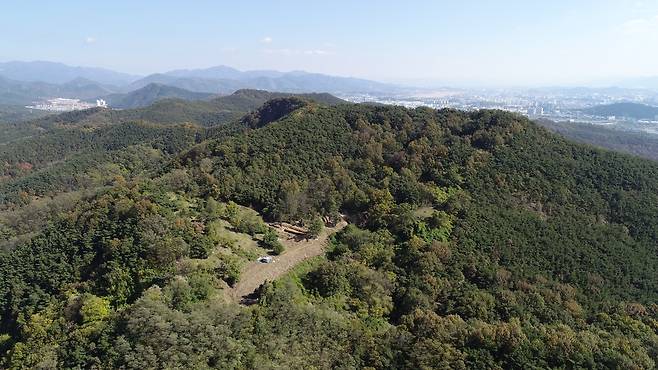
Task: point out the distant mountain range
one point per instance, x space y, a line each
222 78
58 73
630 110
23 83
225 73
650 82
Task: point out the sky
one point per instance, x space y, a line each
467 42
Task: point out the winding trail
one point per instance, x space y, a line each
255 273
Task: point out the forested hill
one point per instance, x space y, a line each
521 180
213 112
28 146
641 144
241 100
476 240
151 93
631 110
61 156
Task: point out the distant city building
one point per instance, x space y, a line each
67 105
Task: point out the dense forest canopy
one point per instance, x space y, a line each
51 161
18 113
475 240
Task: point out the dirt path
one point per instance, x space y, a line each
256 273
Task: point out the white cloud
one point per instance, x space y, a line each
640 26
297 51
316 52
266 40
90 40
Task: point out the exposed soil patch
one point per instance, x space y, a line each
297 250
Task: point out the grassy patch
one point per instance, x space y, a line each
297 273
424 212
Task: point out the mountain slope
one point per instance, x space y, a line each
149 94
631 110
301 82
33 149
514 172
195 84
25 92
10 114
476 240
217 72
637 143
213 112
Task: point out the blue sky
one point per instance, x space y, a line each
503 42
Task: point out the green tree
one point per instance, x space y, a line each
278 248
94 308
315 227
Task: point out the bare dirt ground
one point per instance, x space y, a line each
255 273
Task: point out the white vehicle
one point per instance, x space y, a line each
265 259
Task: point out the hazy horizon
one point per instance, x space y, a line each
509 43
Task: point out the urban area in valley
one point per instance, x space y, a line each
558 104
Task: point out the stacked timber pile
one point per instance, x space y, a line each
292 229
